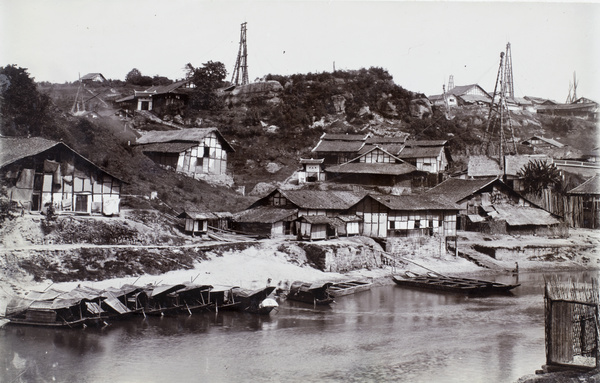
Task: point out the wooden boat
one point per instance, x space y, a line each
255 301
193 298
313 293
221 298
160 300
434 281
340 289
57 309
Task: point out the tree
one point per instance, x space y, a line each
133 77
23 109
539 175
207 79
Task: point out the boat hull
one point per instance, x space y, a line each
452 284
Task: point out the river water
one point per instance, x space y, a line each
387 334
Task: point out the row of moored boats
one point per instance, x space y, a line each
85 306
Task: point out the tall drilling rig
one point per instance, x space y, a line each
497 142
241 64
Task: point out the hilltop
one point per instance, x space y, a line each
274 123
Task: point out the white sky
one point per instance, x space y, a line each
420 43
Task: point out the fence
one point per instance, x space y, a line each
571 323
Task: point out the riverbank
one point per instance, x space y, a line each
282 261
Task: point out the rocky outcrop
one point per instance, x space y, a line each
242 94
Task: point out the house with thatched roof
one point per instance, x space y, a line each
40 173
489 205
197 152
584 203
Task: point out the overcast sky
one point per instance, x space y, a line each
420 43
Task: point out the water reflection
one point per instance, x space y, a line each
385 334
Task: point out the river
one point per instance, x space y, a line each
387 334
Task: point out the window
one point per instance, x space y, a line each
206 151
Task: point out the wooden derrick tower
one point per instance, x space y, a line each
499 134
241 63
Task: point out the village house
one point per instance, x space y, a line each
582 108
92 78
489 205
584 202
275 213
312 170
484 167
339 148
377 168
410 215
40 173
539 143
462 95
432 156
158 98
199 152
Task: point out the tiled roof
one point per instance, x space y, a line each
414 202
197 214
483 166
420 152
514 164
168 147
391 148
524 215
388 140
316 219
264 214
591 186
422 143
546 140
15 148
183 135
323 199
456 189
344 137
312 161
162 89
372 168
338 146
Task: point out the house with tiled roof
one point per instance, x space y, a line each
39 172
377 168
92 78
339 148
482 166
409 215
158 98
197 152
489 205
432 156
472 94
275 213
585 204
312 170
541 143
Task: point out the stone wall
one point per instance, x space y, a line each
430 246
